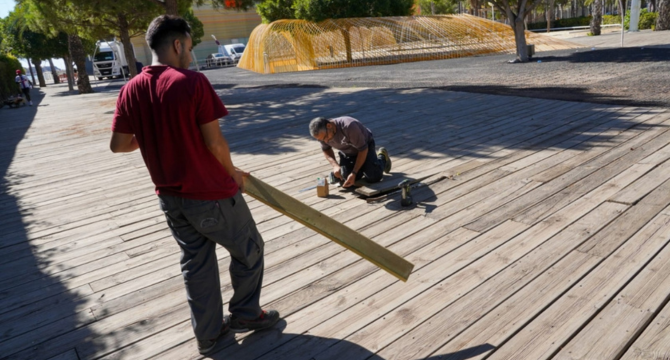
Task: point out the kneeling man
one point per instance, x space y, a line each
356 148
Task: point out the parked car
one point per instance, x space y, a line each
217 59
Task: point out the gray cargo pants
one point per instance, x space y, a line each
198 225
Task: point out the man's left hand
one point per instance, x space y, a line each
351 179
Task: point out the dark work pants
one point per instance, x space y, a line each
199 225
26 92
373 168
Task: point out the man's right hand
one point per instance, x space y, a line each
337 171
239 176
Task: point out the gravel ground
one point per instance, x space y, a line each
601 72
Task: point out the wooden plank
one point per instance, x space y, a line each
476 306
333 230
385 327
639 189
547 333
610 333
653 343
388 183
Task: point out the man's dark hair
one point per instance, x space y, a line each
318 125
164 29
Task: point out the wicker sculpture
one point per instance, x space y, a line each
298 45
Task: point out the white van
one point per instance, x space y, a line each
234 51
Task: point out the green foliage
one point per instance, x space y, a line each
272 10
579 21
8 67
647 19
611 19
319 10
441 7
197 29
26 42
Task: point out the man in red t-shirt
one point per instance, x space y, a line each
171 114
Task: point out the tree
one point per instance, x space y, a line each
516 11
663 20
597 18
319 10
62 16
197 29
273 10
33 45
123 19
436 7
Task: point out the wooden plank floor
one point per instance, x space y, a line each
548 239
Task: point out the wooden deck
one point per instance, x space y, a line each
549 240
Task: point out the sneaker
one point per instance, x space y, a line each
206 346
267 320
385 154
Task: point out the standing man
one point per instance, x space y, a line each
356 149
24 85
171 114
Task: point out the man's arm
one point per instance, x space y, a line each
123 142
360 160
330 156
218 146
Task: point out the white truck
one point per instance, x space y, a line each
233 51
109 60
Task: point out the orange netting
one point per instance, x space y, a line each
297 45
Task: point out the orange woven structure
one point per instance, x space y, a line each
297 45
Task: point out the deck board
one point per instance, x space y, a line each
546 203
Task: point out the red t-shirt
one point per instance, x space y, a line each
164 106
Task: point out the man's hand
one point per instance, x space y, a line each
351 179
239 176
337 171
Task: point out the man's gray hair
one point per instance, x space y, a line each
318 125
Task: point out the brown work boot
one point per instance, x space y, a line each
385 154
206 346
266 320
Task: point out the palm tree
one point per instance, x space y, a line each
597 18
663 20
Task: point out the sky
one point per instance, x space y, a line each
8 5
5 7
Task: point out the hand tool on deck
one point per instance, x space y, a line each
406 199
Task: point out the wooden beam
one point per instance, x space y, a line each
328 227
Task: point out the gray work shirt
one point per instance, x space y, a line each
350 137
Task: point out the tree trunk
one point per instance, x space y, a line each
69 73
347 43
32 74
171 7
516 22
54 73
37 63
550 14
663 20
79 56
127 45
597 18
432 8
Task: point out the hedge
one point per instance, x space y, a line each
647 19
568 22
8 66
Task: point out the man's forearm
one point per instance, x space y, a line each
222 153
330 156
